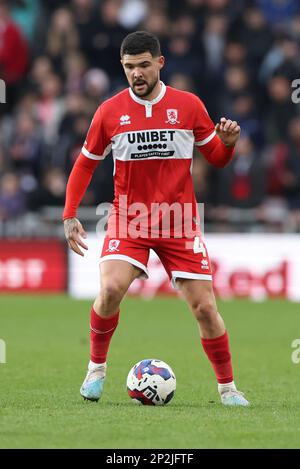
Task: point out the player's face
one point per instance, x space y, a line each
142 72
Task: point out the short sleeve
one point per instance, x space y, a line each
204 128
97 145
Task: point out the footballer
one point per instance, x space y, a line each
151 130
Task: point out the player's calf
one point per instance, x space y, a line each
209 320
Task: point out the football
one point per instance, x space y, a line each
151 382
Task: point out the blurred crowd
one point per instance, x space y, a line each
60 60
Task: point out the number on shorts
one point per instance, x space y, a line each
199 247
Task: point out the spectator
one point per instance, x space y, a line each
244 111
75 67
26 146
132 13
106 35
280 109
214 42
84 15
96 85
2 163
277 12
52 191
51 5
71 140
242 183
62 37
181 56
50 106
14 54
75 104
41 68
282 58
201 172
240 56
291 175
159 24
237 83
255 34
182 81
235 54
12 199
26 15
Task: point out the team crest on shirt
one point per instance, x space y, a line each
113 245
172 115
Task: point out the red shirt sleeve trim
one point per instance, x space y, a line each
216 152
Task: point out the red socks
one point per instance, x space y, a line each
217 349
102 330
218 353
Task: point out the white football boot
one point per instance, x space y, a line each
230 396
92 387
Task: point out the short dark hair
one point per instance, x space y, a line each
139 42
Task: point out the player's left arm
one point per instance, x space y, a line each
215 142
228 131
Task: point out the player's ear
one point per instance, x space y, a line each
161 61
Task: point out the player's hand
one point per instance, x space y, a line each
228 131
74 232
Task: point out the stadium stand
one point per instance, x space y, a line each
239 56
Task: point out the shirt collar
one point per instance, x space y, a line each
146 102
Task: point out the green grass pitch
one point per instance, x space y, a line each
47 353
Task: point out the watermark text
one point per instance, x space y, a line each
2 92
2 351
296 353
296 92
135 220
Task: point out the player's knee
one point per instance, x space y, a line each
110 295
204 311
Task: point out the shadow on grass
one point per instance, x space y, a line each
173 405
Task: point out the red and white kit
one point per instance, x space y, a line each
152 145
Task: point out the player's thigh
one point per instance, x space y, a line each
187 263
117 276
199 294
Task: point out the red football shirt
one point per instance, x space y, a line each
152 146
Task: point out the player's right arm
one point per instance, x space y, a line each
96 147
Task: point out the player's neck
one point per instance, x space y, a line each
154 93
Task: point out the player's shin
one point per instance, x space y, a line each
218 353
102 329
